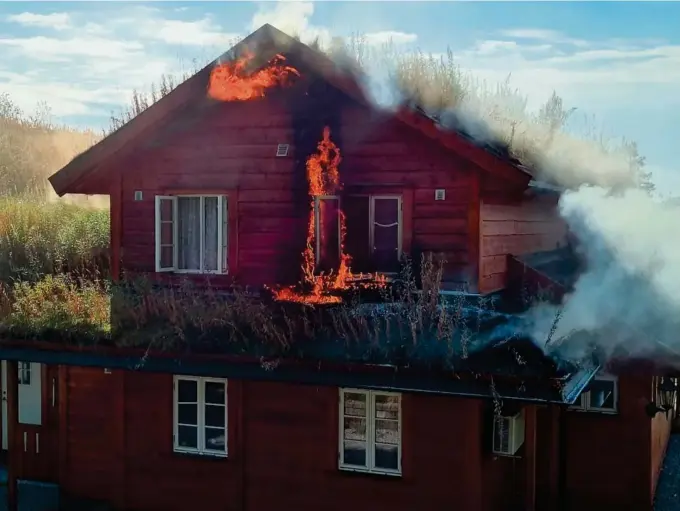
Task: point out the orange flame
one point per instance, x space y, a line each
230 81
324 180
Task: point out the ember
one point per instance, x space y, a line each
231 81
324 181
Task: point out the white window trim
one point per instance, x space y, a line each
200 450
370 434
371 222
317 224
584 405
222 234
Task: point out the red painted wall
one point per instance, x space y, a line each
232 147
516 228
283 441
610 457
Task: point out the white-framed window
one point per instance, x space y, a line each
385 231
601 395
200 415
370 431
191 233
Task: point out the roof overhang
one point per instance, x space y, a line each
379 378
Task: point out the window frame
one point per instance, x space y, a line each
400 223
317 225
222 234
200 450
584 398
370 433
24 373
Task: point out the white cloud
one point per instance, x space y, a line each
387 36
540 34
57 20
293 18
54 49
202 32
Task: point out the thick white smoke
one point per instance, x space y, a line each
627 301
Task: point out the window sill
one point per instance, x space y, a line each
200 456
363 472
594 411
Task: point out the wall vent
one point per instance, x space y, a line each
440 194
282 150
508 434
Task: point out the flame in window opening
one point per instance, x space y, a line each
231 82
323 178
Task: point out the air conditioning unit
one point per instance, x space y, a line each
508 434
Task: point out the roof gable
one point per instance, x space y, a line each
264 44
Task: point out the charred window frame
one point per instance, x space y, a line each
319 231
370 432
601 395
200 423
211 242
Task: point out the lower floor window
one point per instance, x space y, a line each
601 395
200 415
370 431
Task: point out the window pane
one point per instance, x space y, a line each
166 233
602 394
354 429
386 211
329 234
501 439
215 439
24 369
210 227
166 210
214 392
167 257
187 414
187 391
386 407
355 404
354 453
189 232
187 436
387 457
387 432
215 415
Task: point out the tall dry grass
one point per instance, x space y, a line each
39 233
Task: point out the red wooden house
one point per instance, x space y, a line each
218 188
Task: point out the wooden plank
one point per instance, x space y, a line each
14 454
474 237
116 219
443 226
530 435
62 398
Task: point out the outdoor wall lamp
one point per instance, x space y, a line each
666 396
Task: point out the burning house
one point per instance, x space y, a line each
319 304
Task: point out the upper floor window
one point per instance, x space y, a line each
200 416
374 231
370 431
601 395
191 233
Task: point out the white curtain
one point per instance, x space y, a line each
189 233
210 226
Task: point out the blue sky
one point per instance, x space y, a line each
618 63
